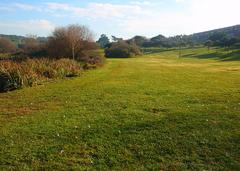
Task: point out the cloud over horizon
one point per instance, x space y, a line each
125 19
42 27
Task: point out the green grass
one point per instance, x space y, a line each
4 56
155 112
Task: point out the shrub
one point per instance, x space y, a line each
5 56
92 59
122 49
6 45
15 74
93 62
10 81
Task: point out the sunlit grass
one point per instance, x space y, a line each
153 112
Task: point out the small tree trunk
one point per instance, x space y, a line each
73 53
180 52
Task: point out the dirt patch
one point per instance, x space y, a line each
14 111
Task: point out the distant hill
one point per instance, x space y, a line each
14 38
233 31
18 40
193 39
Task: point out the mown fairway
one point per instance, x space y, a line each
148 113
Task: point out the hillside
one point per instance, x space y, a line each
233 31
193 39
14 38
18 40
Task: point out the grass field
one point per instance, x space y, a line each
154 112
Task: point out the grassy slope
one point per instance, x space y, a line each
153 112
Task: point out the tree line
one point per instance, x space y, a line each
220 39
74 42
66 53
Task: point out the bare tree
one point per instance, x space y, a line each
70 40
57 43
6 45
31 44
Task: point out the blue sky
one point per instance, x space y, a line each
120 18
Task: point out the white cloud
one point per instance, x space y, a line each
196 16
210 14
43 27
147 17
106 10
97 10
141 3
58 6
4 8
26 7
179 1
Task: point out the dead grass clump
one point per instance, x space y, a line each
14 75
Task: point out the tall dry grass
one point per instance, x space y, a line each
15 74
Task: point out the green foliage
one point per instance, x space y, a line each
220 37
5 56
122 49
230 42
169 42
10 81
138 40
209 43
103 41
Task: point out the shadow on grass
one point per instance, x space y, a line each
232 56
221 55
155 50
189 55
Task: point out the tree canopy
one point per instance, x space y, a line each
103 41
6 45
70 41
